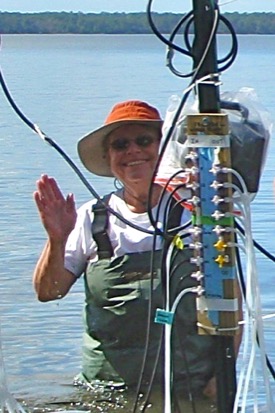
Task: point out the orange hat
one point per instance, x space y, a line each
90 148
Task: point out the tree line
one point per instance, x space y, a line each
121 23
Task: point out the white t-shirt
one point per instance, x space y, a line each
81 247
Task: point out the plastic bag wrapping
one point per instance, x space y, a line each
250 128
171 173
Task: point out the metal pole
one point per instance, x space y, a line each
205 63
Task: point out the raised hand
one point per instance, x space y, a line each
58 214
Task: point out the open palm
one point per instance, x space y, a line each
58 214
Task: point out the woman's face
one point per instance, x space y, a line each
133 153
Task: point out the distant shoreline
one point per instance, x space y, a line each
122 23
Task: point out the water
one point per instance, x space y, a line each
66 84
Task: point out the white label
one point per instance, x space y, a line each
208 141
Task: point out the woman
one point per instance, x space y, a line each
117 265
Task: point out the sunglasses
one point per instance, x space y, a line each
122 144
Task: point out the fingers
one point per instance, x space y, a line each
70 203
48 193
48 188
38 200
58 214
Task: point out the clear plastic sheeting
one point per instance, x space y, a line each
171 173
250 128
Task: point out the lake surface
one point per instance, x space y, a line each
66 85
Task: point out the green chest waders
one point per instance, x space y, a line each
116 312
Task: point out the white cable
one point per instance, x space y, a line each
254 328
168 330
253 317
264 317
258 326
247 354
167 335
238 176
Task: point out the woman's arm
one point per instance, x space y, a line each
58 215
51 280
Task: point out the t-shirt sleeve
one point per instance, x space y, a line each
80 246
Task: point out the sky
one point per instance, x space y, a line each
97 6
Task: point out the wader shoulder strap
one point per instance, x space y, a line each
99 228
101 222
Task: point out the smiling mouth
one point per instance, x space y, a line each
134 163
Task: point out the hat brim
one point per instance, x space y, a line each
91 150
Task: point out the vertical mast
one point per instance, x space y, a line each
205 54
218 279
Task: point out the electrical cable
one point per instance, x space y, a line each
159 35
53 144
157 356
176 117
257 245
188 19
243 288
147 340
230 57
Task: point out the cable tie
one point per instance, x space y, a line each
39 132
217 329
213 80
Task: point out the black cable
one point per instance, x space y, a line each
176 327
52 143
150 384
159 35
167 242
234 48
147 340
154 222
188 19
170 50
257 245
12 103
162 151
